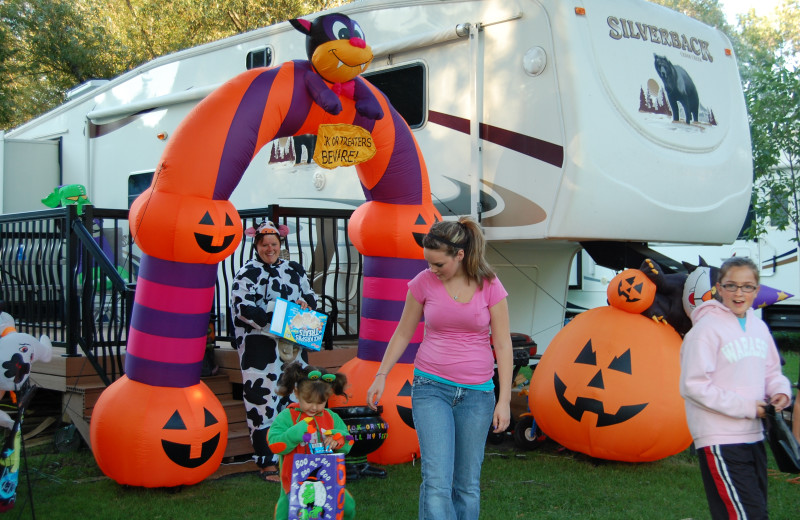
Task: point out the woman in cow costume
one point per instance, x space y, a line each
263 356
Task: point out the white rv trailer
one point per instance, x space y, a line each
545 119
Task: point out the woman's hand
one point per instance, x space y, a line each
302 303
375 391
502 417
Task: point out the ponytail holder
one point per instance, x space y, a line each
443 240
316 374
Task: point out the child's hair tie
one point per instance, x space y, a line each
316 374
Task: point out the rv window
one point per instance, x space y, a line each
405 88
137 183
259 58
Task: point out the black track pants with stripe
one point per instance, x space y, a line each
735 479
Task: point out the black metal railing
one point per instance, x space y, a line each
72 277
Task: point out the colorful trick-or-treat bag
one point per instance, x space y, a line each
317 490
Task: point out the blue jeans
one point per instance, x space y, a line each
452 424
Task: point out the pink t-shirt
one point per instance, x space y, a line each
456 342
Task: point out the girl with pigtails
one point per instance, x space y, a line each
308 424
263 356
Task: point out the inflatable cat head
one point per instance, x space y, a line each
335 46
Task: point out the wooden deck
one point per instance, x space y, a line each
80 386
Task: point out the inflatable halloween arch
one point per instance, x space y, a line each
174 428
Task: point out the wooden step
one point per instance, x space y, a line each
332 360
220 385
238 442
234 411
81 387
63 372
227 360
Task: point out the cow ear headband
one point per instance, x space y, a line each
267 228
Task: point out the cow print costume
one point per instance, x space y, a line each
255 288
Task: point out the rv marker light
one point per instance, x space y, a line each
580 11
162 136
728 52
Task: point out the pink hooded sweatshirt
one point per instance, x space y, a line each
724 371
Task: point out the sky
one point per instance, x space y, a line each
734 7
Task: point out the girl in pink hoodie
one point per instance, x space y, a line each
730 369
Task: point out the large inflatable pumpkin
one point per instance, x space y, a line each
158 436
607 386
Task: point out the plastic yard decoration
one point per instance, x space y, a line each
17 352
66 195
184 228
631 291
186 433
185 225
607 386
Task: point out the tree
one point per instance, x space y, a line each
707 11
768 53
6 70
772 91
50 46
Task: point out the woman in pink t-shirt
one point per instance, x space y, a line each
453 397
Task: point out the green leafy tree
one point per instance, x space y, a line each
768 53
7 52
707 11
50 46
772 91
155 27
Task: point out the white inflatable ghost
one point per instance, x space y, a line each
17 352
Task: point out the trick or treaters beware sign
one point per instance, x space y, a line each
343 145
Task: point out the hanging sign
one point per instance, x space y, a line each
343 145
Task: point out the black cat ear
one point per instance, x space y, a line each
304 26
702 262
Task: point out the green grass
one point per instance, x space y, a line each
792 366
545 484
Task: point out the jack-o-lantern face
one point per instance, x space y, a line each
154 436
181 453
184 228
631 291
205 241
391 230
607 386
588 357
